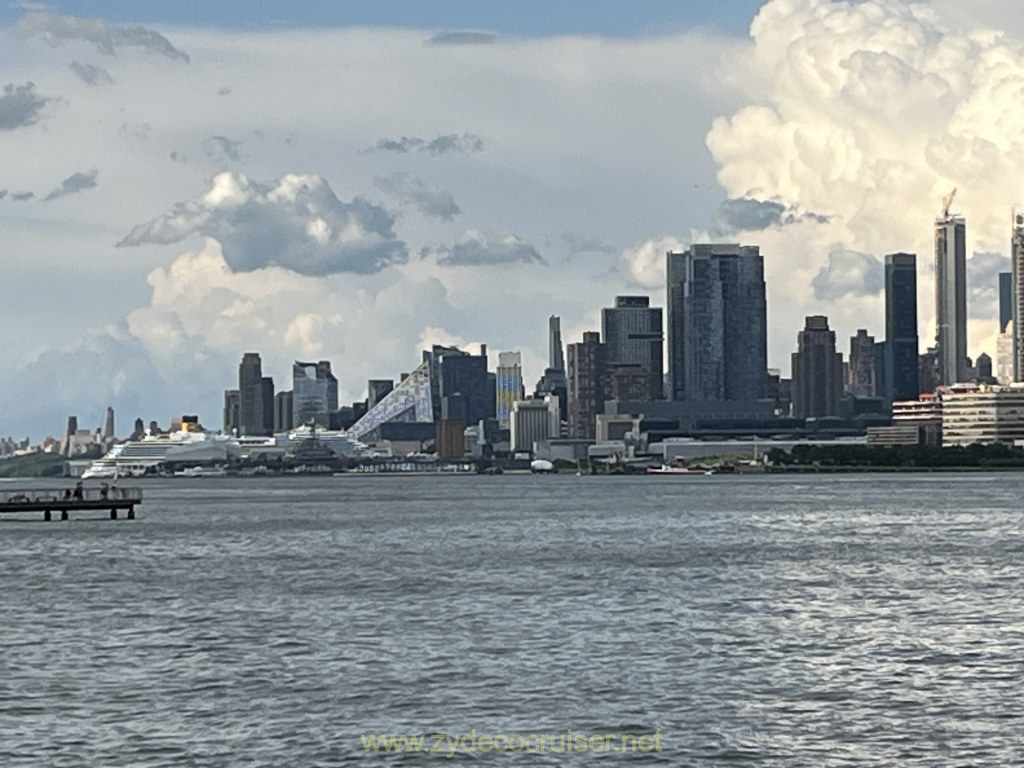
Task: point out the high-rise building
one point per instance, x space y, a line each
717 323
284 414
586 376
508 386
632 333
1017 288
466 392
232 411
314 394
901 362
267 383
108 424
1005 300
553 381
251 409
817 371
951 295
860 378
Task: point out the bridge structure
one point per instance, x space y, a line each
50 501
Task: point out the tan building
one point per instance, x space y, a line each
982 414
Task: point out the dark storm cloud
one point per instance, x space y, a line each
744 214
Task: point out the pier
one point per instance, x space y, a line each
50 501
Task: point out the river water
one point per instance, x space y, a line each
761 621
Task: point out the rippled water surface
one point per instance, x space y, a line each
775 621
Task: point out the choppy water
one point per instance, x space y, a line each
769 621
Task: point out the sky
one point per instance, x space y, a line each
355 181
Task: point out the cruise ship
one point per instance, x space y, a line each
135 458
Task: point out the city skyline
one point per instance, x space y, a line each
282 185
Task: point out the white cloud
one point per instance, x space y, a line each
57 30
296 222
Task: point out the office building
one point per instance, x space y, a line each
817 371
232 410
1005 299
902 380
533 421
860 378
284 411
717 323
1017 291
951 295
466 392
314 394
586 376
632 333
553 381
508 385
377 390
982 414
252 411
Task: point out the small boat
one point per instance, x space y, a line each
665 469
541 467
202 472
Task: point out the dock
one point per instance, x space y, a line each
50 501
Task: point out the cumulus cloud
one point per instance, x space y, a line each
20 105
218 147
90 74
983 270
57 30
428 200
465 144
474 248
462 38
746 214
296 222
848 273
645 262
76 182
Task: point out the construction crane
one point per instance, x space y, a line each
947 201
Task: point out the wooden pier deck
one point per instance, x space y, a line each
50 501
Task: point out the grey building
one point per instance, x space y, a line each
632 333
284 416
951 297
252 412
860 380
314 394
377 390
817 371
902 381
467 391
553 381
1017 287
1005 300
717 323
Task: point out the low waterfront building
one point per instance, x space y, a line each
533 421
982 414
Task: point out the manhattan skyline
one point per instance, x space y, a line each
356 188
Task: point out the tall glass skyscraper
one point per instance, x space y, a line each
508 385
901 376
314 393
951 297
1017 283
717 323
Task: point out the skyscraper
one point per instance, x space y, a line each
951 295
901 362
314 393
717 323
586 374
861 378
251 409
1005 299
1017 281
632 333
508 386
553 381
817 371
466 392
232 411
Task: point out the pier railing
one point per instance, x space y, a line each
18 496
